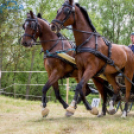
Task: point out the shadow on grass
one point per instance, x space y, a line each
110 118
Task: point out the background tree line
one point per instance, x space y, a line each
113 19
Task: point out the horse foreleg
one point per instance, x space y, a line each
52 79
86 76
86 91
111 80
99 83
58 96
128 89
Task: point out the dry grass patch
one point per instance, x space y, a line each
24 117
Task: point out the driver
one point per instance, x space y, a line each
132 48
132 40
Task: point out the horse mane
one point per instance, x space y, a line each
86 16
40 16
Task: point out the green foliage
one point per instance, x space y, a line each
113 19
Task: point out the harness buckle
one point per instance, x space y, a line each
111 62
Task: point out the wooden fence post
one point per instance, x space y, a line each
67 90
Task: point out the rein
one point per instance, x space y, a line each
108 59
73 29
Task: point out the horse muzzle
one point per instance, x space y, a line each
27 44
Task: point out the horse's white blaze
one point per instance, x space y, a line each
26 24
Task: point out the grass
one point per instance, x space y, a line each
24 117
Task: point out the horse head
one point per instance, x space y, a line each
65 16
32 30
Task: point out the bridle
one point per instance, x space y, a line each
72 11
34 26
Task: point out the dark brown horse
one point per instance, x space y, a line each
57 68
92 52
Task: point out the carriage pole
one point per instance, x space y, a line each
67 90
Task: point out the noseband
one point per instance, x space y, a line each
34 27
72 11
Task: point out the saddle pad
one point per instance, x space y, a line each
72 60
67 57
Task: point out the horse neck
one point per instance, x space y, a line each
46 35
82 25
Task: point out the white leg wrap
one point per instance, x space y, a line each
111 105
71 108
41 105
73 103
124 114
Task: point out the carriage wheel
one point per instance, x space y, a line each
122 105
116 106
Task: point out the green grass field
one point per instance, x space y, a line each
24 117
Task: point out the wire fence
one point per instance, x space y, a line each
68 87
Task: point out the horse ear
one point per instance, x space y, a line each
71 2
39 15
32 15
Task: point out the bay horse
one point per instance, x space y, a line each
56 68
93 53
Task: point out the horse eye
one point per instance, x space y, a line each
66 10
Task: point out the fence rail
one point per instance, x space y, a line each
4 91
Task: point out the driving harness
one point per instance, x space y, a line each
47 53
81 48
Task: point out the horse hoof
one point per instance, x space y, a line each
68 114
111 111
94 111
45 112
124 115
70 110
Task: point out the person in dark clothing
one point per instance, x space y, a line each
132 40
132 48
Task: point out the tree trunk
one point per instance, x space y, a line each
1 57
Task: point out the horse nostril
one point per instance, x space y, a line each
24 43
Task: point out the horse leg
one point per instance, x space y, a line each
86 76
128 89
111 80
86 91
71 109
52 79
58 96
102 90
